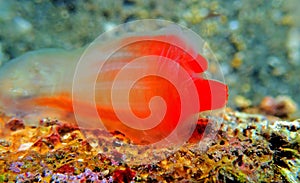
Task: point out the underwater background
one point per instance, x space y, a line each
257 44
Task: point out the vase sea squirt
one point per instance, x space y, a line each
144 85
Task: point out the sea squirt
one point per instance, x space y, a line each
148 85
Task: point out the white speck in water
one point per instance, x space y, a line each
23 25
109 26
293 46
234 25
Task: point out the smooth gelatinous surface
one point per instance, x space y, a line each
148 86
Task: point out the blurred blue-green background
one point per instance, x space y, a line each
257 43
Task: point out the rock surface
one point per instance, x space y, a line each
247 148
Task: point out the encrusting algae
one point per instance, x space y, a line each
247 148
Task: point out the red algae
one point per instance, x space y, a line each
123 175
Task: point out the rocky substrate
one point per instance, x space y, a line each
247 148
